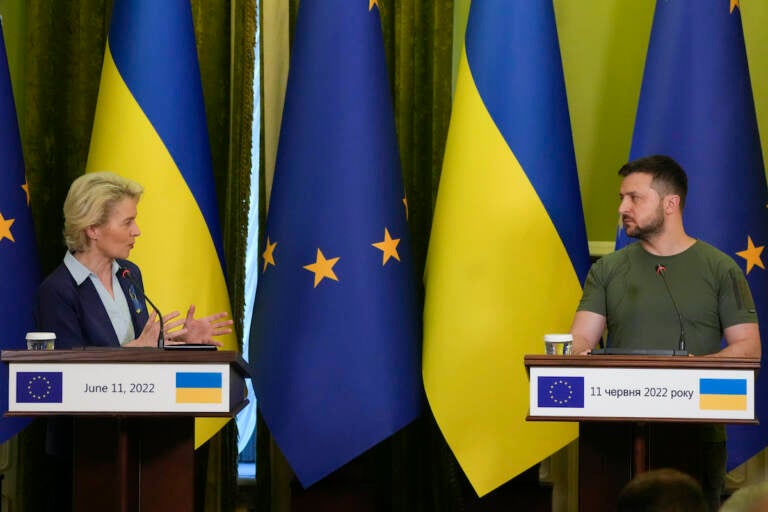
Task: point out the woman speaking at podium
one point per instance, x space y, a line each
95 297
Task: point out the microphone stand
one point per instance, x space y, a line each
661 270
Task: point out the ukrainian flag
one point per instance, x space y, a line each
508 249
150 126
198 388
723 394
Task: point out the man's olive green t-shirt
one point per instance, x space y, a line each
710 289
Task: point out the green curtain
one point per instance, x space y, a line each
418 39
62 44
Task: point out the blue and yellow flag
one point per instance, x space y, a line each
696 106
508 250
335 331
19 270
150 127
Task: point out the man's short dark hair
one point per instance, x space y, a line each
668 176
662 490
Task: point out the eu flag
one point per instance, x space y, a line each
19 270
42 387
508 248
335 328
696 106
562 392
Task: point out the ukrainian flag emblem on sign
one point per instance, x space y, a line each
723 394
198 388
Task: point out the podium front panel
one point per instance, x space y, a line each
59 388
579 393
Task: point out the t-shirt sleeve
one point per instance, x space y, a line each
593 297
736 303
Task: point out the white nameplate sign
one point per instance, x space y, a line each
629 393
135 387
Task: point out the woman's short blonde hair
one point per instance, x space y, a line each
90 201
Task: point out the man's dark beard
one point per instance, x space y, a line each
655 227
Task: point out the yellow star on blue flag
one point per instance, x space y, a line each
322 268
752 255
388 247
5 228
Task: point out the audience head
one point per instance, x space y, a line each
752 498
662 490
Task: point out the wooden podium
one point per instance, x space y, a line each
633 411
133 414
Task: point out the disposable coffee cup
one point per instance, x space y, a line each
558 344
41 340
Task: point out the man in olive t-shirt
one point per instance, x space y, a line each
710 290
624 294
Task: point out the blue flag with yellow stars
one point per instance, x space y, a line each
19 270
696 106
335 329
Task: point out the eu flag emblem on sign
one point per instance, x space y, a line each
35 387
561 392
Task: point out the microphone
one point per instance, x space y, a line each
126 274
661 270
